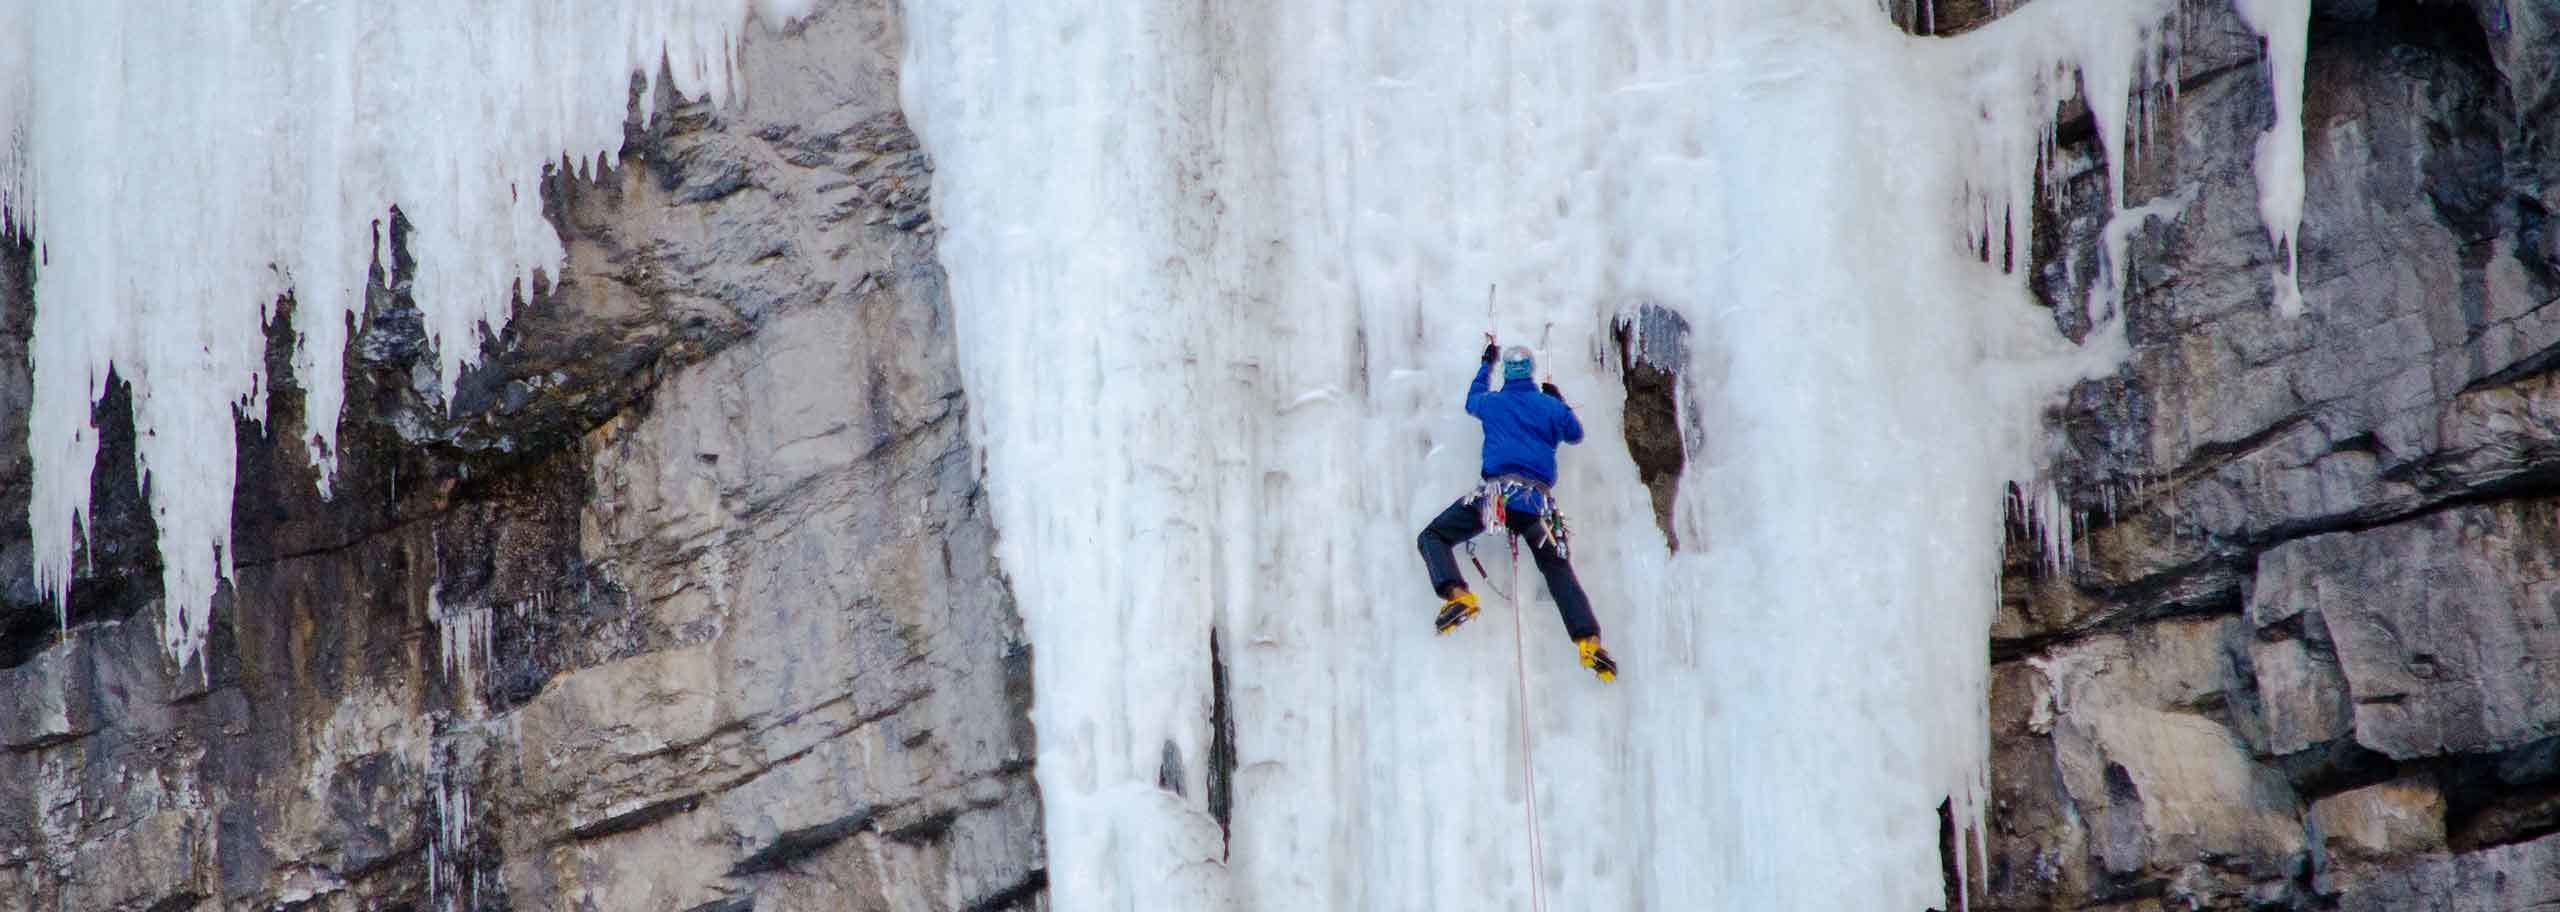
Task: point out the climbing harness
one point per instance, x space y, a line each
1492 500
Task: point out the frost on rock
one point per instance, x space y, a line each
184 166
2014 73
1167 223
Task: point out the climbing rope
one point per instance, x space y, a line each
1528 767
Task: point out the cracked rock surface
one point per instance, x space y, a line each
688 600
2308 656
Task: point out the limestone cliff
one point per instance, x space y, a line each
687 601
2308 655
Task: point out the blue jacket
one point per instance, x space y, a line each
1522 427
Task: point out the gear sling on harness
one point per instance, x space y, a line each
1492 500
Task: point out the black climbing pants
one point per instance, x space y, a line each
1461 522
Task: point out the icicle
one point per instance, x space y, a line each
184 165
463 632
2286 25
450 878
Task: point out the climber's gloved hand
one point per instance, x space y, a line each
1491 350
1550 389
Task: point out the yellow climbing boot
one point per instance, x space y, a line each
1460 609
1596 658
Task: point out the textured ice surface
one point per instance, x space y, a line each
1218 271
1219 276
182 165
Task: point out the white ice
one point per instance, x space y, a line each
2286 26
1166 221
1218 272
182 165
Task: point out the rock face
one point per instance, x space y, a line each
687 602
2309 654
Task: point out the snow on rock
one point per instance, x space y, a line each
182 166
1167 221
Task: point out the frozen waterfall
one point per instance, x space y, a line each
1219 271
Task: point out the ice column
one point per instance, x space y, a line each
2286 25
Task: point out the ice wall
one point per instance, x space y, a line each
1219 272
184 165
1218 269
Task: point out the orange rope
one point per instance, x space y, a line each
1528 767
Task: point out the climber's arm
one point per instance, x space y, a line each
1484 374
1568 427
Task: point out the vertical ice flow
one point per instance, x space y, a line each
1216 268
2286 26
1218 272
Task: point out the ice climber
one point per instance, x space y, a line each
1522 426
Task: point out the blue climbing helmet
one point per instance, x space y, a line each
1516 363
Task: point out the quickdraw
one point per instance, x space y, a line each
1487 576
